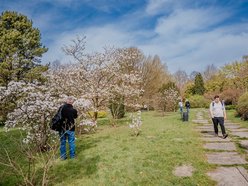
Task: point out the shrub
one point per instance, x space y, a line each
166 101
117 107
242 107
198 101
231 95
86 126
136 123
100 114
230 107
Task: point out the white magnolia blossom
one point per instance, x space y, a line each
170 97
94 80
83 104
35 107
167 100
88 125
100 77
86 121
136 123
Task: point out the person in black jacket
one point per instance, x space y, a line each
68 128
187 105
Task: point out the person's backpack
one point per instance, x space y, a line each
222 103
187 104
56 120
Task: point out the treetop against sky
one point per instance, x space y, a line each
186 34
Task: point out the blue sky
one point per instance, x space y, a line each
186 34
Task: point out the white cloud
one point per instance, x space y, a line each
187 39
156 6
193 38
181 22
212 48
96 39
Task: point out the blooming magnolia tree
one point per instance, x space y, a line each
90 77
167 100
35 107
85 123
171 97
99 77
128 81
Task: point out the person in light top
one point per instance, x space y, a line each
218 114
180 104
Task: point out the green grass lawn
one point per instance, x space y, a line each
112 156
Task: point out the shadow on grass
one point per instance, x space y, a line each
119 122
87 142
82 166
74 169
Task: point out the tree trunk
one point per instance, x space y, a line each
95 115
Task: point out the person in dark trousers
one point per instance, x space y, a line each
218 114
187 105
68 128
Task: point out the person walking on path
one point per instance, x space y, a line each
180 104
187 105
218 114
68 128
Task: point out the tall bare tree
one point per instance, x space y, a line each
181 78
209 72
155 74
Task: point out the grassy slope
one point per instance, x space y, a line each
231 116
236 139
10 141
113 157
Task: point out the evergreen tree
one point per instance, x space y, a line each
20 49
20 53
199 85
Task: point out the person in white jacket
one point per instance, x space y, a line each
218 114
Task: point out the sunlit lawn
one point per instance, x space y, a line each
231 116
112 156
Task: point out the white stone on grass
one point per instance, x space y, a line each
238 130
205 127
215 139
184 171
225 158
232 126
228 146
244 143
230 176
200 121
240 134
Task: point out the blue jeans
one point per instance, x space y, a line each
71 140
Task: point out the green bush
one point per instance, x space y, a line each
117 108
100 114
242 107
230 107
198 101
